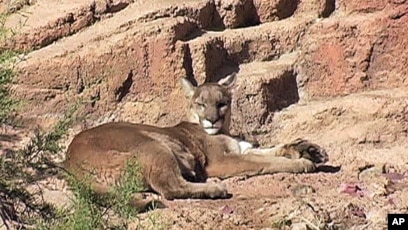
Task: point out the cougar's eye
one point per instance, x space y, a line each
202 105
221 105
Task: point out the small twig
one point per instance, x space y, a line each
366 226
2 215
310 223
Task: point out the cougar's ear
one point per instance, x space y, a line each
228 81
187 87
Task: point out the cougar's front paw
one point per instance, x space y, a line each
305 166
219 190
301 148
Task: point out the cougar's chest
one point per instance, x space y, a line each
191 153
191 160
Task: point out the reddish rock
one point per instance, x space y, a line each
273 10
322 9
362 6
263 88
235 13
216 54
349 54
146 63
202 11
387 67
35 32
138 54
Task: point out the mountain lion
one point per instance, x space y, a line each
176 161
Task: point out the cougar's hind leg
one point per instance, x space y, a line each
143 204
167 180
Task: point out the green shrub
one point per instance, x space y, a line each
111 211
19 169
7 103
122 194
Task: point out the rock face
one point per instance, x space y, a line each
363 46
118 54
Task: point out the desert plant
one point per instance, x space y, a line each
7 103
122 194
83 214
111 211
19 169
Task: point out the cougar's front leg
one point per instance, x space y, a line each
272 151
255 164
296 149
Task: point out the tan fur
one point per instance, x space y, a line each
176 161
210 104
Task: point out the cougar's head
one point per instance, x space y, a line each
210 104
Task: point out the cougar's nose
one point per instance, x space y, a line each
213 119
212 115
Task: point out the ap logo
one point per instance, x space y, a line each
397 221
